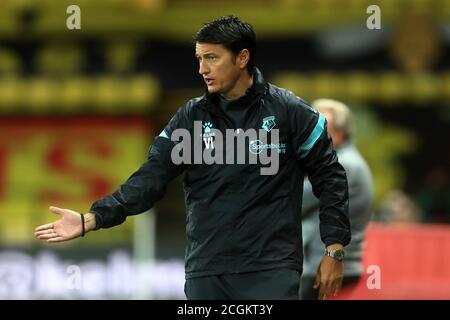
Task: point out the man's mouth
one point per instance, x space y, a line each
209 81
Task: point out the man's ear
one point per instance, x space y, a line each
243 58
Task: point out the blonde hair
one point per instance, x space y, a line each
342 116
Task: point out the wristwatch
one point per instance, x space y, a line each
337 254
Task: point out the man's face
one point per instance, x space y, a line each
219 67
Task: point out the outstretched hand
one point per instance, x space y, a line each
66 228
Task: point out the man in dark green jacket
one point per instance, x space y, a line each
243 210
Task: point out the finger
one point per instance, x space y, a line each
336 291
317 281
47 236
57 210
44 227
322 290
337 288
56 239
326 288
332 290
321 295
43 232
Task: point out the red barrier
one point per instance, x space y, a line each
407 261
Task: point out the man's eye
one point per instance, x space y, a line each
211 58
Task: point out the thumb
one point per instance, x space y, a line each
57 210
317 280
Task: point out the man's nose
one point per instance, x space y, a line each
203 68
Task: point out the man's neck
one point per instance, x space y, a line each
242 85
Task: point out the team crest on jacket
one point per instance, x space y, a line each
207 126
208 135
268 123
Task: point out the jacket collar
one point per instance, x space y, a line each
259 87
259 84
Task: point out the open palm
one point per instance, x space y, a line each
66 228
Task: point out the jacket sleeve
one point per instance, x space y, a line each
314 150
145 186
310 203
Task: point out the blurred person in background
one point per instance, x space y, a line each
434 198
398 207
243 228
360 186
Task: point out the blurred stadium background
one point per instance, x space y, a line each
79 109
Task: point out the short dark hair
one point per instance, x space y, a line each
231 32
